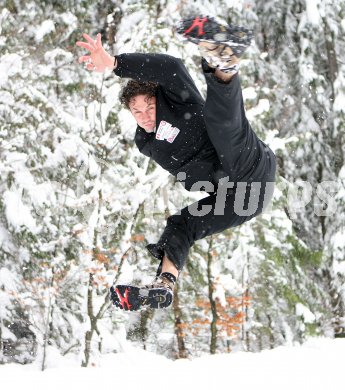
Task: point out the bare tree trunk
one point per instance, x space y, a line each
337 304
247 338
213 328
89 333
245 333
47 323
331 54
140 332
182 351
271 332
144 319
90 311
336 139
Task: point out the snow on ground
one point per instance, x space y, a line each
316 365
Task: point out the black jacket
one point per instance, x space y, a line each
179 104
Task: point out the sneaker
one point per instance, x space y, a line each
219 56
207 29
156 295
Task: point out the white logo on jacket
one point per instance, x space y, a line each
166 131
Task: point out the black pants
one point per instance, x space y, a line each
243 186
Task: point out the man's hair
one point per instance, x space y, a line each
134 88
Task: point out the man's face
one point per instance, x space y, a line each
143 108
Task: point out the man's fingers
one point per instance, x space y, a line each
85 46
84 59
99 40
90 67
90 40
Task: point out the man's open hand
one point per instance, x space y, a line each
98 60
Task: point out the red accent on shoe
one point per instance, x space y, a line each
199 23
124 300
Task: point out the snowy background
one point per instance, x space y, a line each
316 365
79 203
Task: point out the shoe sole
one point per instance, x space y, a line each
132 298
236 37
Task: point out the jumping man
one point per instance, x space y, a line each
207 144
